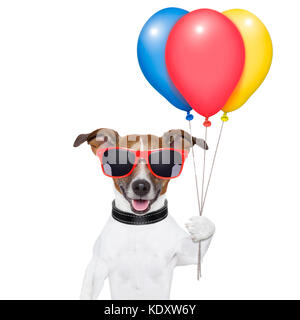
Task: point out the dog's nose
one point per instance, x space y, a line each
141 187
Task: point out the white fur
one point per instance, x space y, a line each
139 260
200 228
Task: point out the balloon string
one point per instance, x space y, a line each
203 199
212 167
195 172
203 171
199 269
198 198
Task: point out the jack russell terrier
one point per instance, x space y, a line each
141 243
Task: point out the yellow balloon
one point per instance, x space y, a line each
258 56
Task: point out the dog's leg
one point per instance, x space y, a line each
95 275
201 230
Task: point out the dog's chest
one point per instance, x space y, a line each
140 259
148 250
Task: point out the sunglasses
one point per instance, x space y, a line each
164 163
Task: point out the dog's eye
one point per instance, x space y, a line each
105 153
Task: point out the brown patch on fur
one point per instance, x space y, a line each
117 185
101 136
164 187
131 142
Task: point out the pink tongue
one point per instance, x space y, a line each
140 205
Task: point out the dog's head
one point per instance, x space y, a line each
141 191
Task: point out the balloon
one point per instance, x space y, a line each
258 59
151 54
205 58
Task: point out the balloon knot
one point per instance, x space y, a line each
206 123
189 116
224 118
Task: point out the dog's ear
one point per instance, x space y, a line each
179 139
100 137
80 139
200 142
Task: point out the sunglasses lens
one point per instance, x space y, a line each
117 162
166 163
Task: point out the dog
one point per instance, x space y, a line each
141 243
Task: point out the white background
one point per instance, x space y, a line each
69 67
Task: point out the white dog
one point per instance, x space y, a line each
141 243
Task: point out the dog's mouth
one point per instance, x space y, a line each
140 206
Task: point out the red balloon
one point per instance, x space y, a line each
205 57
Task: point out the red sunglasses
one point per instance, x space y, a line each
164 163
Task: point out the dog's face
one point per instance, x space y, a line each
141 189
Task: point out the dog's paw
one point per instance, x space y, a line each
200 228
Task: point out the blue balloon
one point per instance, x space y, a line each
151 54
